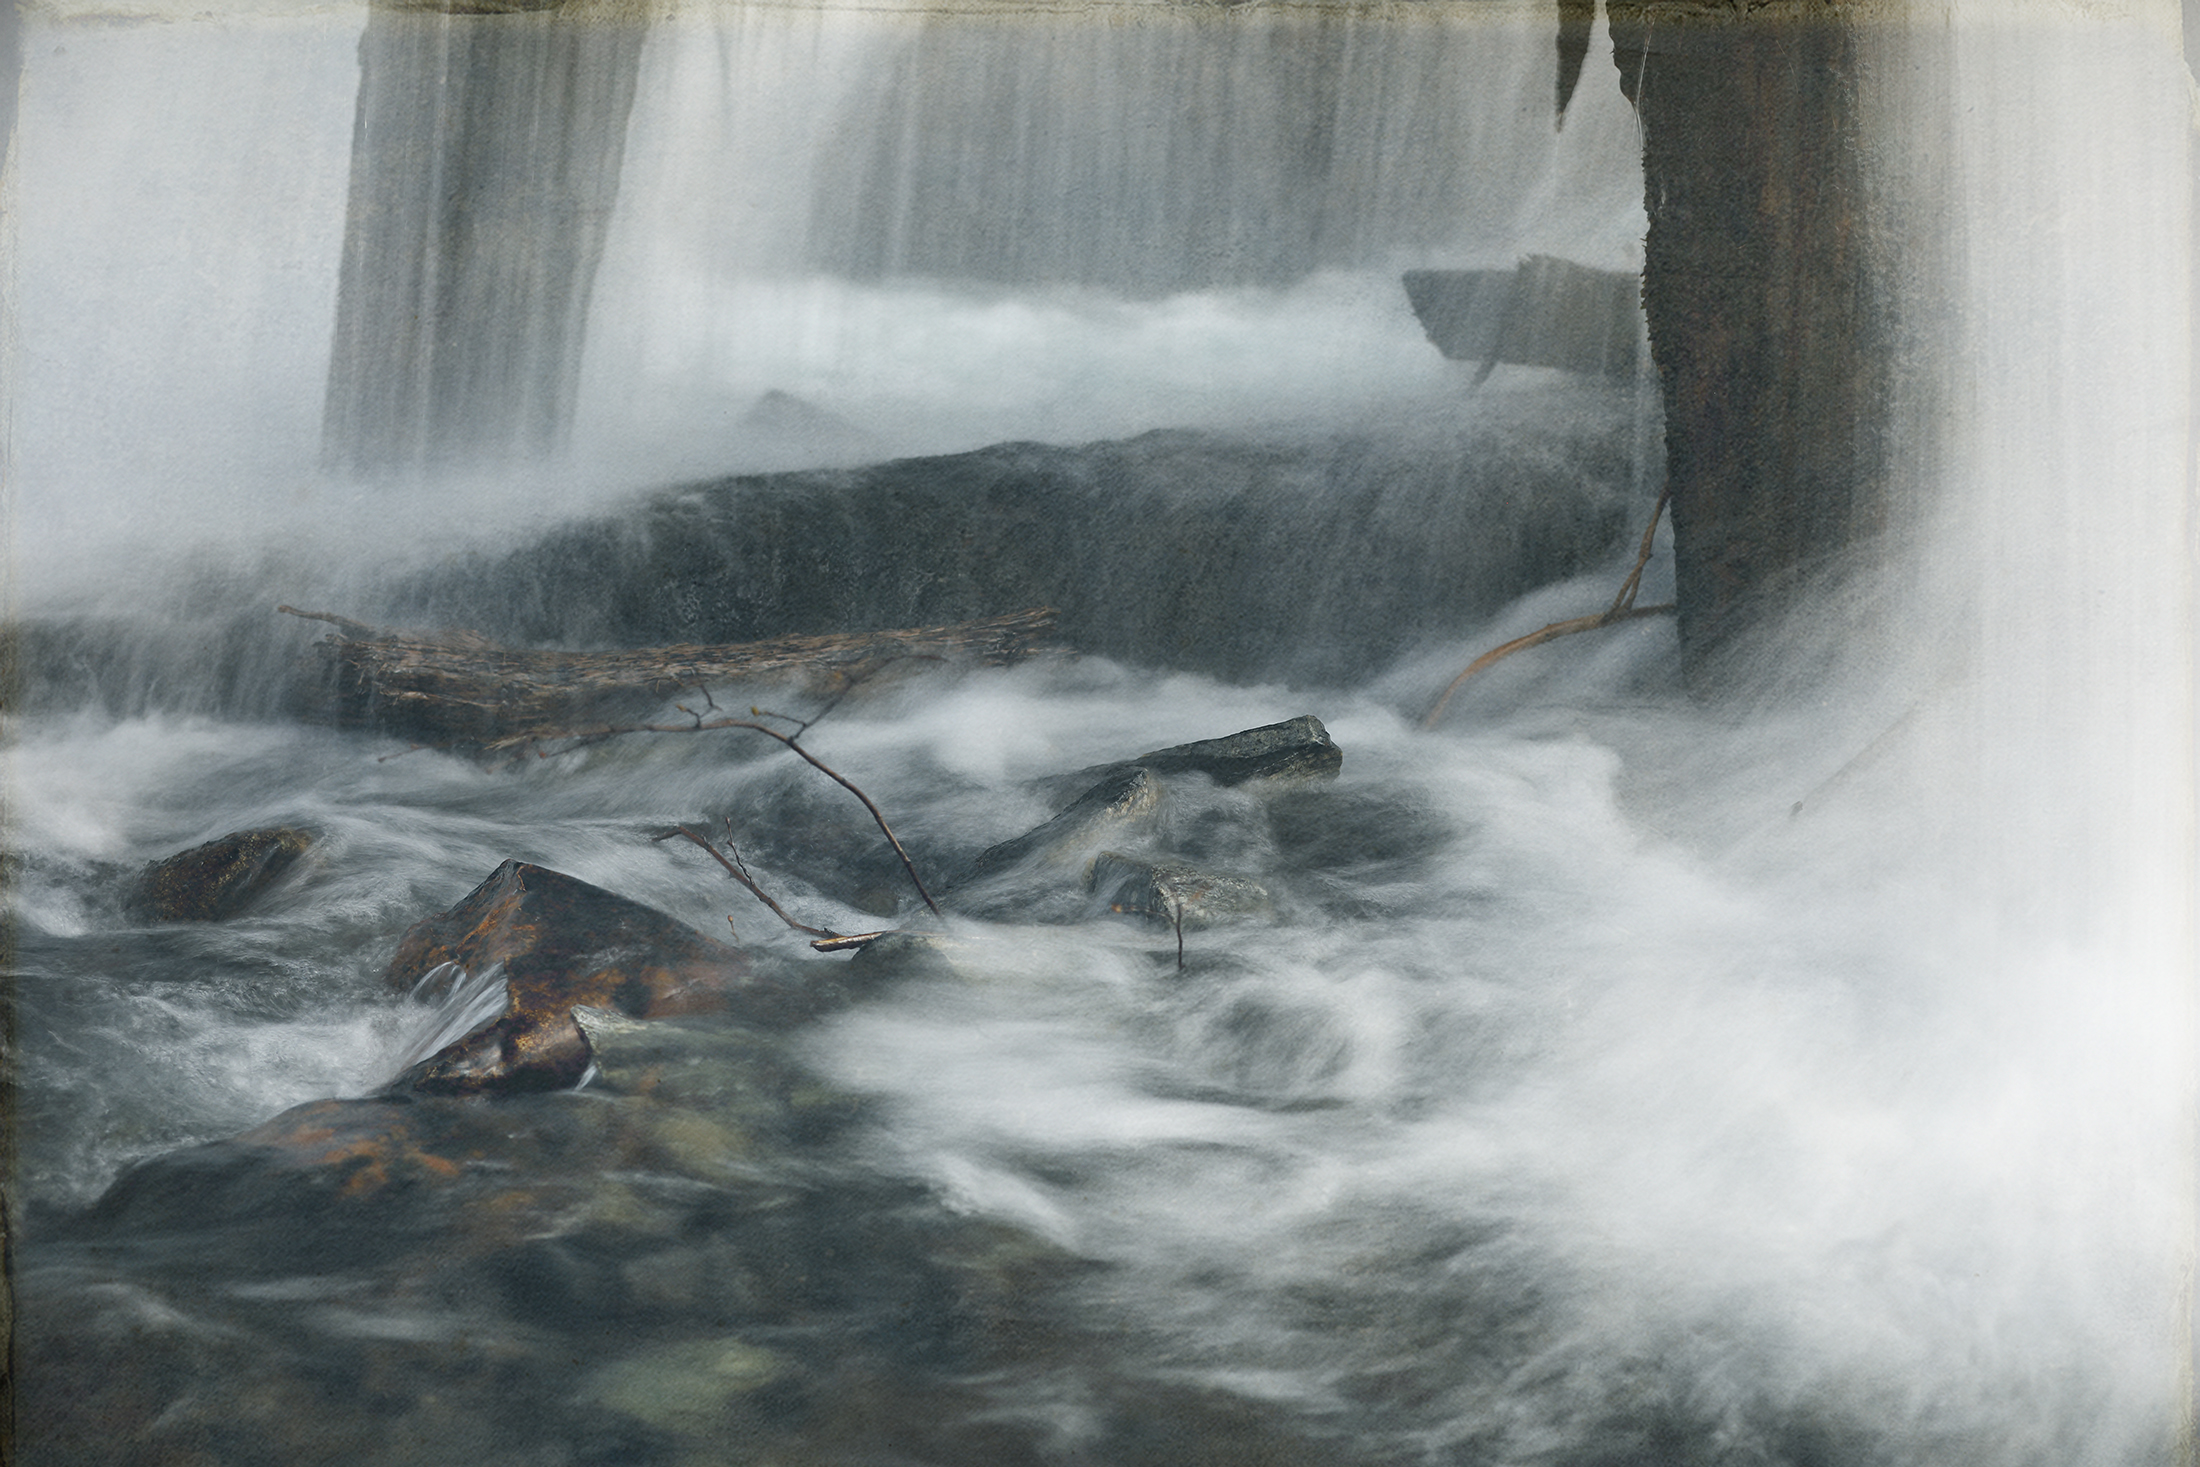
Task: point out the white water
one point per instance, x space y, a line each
1621 1086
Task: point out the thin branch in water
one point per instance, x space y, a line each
1625 600
876 815
801 725
1623 608
850 680
577 739
710 704
739 871
1180 934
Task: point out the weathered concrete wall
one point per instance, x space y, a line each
1769 332
485 159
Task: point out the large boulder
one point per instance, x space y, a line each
560 943
1292 555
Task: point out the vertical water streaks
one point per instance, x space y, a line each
484 164
1151 149
958 224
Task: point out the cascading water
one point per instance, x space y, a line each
1802 1077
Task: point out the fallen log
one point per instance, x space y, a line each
459 688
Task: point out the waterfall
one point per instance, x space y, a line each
1799 1072
484 164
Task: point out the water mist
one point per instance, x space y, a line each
1799 1074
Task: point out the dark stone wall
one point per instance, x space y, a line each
1769 332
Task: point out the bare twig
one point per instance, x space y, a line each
579 738
1623 608
1625 600
738 870
1180 934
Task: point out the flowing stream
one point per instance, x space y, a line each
1802 1075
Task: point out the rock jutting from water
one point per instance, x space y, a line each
1122 809
1175 894
219 879
560 943
1298 748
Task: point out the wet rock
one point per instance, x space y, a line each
737 1075
1171 894
1177 549
1296 750
913 955
218 880
1764 288
569 1265
564 943
1121 804
691 1387
1120 807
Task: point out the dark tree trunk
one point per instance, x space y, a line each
1769 336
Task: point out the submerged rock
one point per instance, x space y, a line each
218 880
739 1076
562 943
690 1387
674 1254
1172 894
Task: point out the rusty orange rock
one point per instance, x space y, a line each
562 943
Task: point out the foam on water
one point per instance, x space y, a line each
1808 1075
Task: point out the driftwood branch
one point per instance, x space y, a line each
852 942
458 689
1623 608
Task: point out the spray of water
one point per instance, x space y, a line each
1800 1077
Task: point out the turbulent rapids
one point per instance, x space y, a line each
1791 1070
